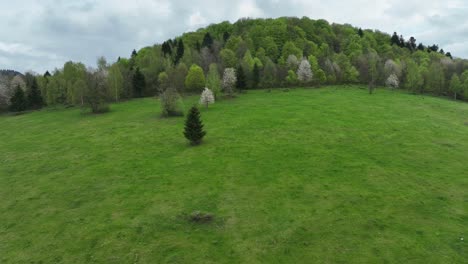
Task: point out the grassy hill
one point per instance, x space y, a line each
330 175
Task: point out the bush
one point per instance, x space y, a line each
171 104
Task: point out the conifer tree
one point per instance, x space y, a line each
35 100
207 41
194 127
18 100
180 51
138 83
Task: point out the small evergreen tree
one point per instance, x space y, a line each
194 127
139 83
18 100
35 100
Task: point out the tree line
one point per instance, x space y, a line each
258 53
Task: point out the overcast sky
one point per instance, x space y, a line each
41 35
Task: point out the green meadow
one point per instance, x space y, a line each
329 175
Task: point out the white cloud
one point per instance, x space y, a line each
196 20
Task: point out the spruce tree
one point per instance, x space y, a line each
138 83
241 83
194 127
35 100
360 32
180 52
207 41
18 100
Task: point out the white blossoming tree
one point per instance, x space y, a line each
304 72
292 62
229 81
392 81
207 97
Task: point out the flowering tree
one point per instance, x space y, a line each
207 97
304 73
292 62
229 81
391 67
392 81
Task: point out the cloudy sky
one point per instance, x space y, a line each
41 35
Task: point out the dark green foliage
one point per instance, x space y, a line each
360 32
207 41
134 54
194 127
18 101
255 76
180 51
421 47
47 74
95 93
166 48
138 83
241 83
34 99
226 36
395 40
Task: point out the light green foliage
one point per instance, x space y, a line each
213 80
291 79
248 62
163 81
464 80
195 81
269 75
456 86
435 79
233 43
291 49
228 57
72 73
349 73
116 82
414 78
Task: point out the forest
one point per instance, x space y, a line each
251 53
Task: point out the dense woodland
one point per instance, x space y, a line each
248 54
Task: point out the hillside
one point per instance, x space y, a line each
328 175
265 53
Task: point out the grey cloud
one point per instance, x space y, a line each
59 30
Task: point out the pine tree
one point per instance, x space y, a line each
139 83
241 83
360 32
395 39
207 41
255 76
180 52
194 127
18 100
35 100
134 54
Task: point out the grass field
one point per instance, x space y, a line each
330 175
